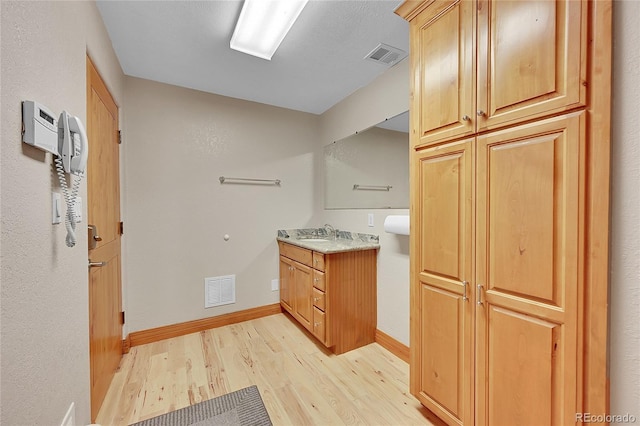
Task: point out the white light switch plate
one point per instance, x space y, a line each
370 220
56 208
77 211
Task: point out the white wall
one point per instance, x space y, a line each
384 98
625 218
44 316
177 143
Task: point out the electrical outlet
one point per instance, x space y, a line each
370 220
275 285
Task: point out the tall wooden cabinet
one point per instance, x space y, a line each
509 164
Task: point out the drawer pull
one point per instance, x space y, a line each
479 295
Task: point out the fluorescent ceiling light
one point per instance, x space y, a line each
263 24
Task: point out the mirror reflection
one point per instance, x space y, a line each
369 169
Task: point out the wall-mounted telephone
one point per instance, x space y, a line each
71 151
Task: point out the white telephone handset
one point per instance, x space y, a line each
72 144
73 150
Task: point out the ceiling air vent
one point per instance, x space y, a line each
385 54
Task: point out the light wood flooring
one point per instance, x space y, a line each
301 383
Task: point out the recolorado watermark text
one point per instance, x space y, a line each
605 418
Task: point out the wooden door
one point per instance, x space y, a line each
531 59
286 283
443 79
530 185
103 206
303 294
441 297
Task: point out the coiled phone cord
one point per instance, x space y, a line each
70 199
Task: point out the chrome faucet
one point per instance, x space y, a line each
330 230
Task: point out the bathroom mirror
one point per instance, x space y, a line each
369 169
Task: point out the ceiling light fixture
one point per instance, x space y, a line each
263 24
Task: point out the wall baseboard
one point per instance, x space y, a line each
392 345
166 332
126 344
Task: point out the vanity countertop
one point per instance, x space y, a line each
317 239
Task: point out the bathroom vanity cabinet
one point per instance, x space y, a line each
330 293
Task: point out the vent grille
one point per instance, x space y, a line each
219 291
385 54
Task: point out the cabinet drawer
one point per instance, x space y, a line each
298 254
318 299
319 280
318 261
318 324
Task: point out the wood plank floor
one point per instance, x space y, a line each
301 383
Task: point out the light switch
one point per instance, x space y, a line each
370 220
56 208
77 211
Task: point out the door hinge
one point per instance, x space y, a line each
121 228
122 317
119 137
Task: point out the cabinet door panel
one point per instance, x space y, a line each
444 79
441 369
531 59
524 192
522 367
303 290
286 283
528 219
442 312
444 212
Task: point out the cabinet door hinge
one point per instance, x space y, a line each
122 317
121 228
119 137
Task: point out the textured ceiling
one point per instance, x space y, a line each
319 63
